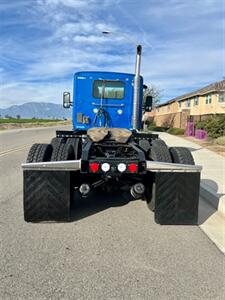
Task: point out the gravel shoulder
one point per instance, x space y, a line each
10 126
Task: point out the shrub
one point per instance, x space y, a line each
176 131
161 129
151 125
200 125
215 126
220 140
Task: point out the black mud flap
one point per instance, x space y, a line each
47 195
177 198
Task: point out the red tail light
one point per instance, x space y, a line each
94 167
132 168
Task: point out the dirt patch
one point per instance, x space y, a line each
6 126
208 144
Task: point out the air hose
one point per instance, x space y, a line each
102 113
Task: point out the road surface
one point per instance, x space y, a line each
111 250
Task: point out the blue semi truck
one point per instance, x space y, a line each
106 149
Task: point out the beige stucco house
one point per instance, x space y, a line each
197 105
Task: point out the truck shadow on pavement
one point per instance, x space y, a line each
194 149
97 202
209 199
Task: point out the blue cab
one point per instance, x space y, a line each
104 99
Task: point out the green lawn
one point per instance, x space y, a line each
4 121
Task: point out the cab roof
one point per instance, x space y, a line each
104 74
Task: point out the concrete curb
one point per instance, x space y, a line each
217 201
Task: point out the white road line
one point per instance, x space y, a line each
13 150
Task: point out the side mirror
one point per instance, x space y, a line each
148 103
66 100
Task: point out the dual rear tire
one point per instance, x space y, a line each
47 194
39 153
160 152
63 148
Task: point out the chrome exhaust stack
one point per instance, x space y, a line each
136 88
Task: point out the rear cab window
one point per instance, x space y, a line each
108 89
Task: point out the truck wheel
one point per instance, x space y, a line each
150 197
181 155
144 145
55 141
160 143
46 196
39 153
160 152
63 152
76 144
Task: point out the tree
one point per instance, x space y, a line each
153 91
8 117
18 116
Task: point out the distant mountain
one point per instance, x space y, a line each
37 110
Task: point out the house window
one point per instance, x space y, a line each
221 97
188 102
180 104
196 100
208 99
168 107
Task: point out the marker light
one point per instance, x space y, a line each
132 168
121 167
105 167
94 167
120 111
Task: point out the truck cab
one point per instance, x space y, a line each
104 99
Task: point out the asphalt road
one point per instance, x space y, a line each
111 250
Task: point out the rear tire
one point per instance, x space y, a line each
144 145
181 155
159 152
76 144
177 193
160 143
46 193
63 152
39 153
56 141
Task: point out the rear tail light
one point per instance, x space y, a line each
94 167
121 167
132 168
105 167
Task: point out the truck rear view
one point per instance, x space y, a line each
106 150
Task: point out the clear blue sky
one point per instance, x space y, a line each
43 42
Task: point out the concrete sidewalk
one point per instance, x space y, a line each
213 173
